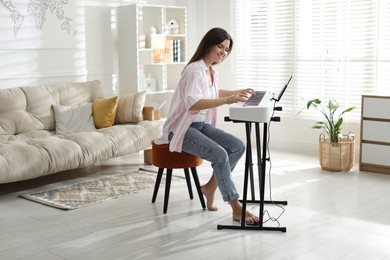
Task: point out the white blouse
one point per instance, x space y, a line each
201 116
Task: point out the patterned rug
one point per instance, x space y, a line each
87 193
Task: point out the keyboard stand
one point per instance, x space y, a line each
261 168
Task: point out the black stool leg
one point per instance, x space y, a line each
189 186
157 185
167 188
197 184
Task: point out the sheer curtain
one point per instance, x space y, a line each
337 49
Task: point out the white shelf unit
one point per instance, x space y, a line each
375 137
136 56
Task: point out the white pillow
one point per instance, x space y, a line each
74 119
130 108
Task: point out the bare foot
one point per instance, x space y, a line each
209 198
250 219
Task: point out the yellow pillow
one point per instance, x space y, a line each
103 111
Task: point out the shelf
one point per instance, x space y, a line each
167 91
142 41
375 140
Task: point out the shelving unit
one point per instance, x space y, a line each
139 45
375 138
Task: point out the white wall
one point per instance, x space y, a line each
52 55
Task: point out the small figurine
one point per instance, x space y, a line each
152 30
172 27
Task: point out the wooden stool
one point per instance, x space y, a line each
164 159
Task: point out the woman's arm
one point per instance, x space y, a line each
241 92
225 97
211 103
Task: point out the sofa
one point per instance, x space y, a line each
56 127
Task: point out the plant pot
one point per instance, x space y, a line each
337 157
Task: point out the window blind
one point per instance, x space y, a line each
264 40
337 48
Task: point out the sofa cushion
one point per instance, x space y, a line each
14 118
73 119
130 108
103 111
30 108
40 99
32 134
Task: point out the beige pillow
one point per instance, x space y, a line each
130 108
103 111
73 119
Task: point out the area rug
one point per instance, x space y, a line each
87 193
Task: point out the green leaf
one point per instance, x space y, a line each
338 124
313 103
333 105
348 110
333 123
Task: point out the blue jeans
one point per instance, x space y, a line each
222 149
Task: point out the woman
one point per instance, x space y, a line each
190 125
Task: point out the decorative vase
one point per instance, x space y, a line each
337 157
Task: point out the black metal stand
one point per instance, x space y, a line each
261 162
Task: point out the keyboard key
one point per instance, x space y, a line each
255 99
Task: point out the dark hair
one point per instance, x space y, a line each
213 37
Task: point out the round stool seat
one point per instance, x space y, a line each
163 158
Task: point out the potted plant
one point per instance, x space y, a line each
336 149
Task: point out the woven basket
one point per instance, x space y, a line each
337 157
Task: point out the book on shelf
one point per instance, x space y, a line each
176 51
168 52
172 51
141 41
168 55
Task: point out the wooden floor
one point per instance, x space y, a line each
329 216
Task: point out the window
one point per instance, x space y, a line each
337 48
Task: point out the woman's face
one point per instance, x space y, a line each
218 52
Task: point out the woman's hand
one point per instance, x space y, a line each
245 92
240 95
